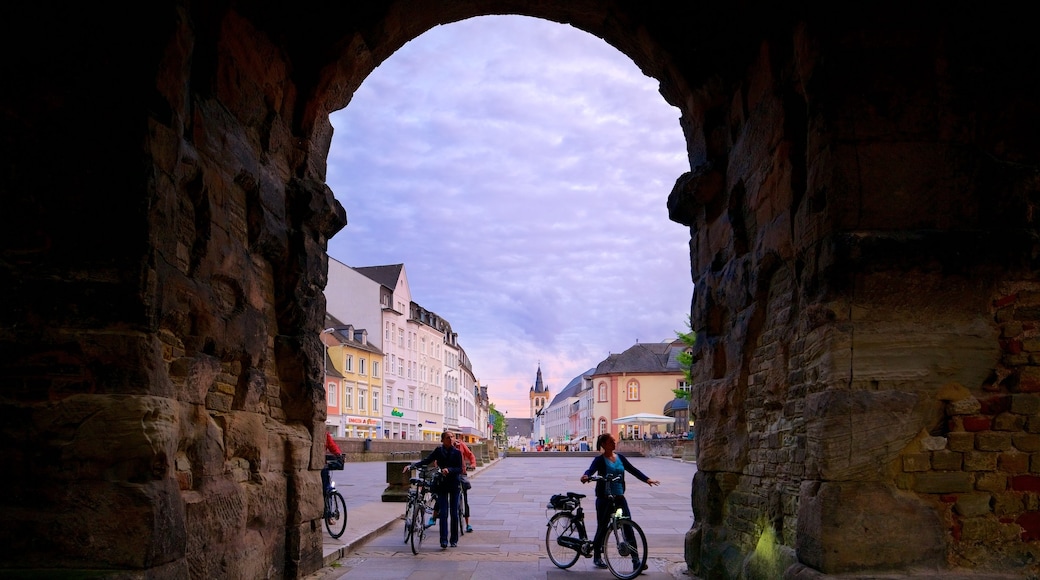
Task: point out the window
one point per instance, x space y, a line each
348 363
602 393
683 386
348 397
375 368
375 401
389 398
362 397
400 337
400 398
361 366
633 390
331 390
386 333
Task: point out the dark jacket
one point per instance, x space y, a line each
445 457
599 466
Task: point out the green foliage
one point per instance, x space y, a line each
686 357
498 422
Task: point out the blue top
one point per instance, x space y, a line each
615 467
600 466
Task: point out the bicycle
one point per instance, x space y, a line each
566 539
421 501
435 511
335 515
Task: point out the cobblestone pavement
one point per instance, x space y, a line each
508 515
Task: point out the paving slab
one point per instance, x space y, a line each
508 514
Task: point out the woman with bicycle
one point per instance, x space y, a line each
606 464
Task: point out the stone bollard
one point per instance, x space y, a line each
396 482
479 452
690 451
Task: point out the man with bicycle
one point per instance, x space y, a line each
449 462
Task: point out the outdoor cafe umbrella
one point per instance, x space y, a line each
645 419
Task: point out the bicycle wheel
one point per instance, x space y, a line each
624 549
561 525
336 522
418 526
408 511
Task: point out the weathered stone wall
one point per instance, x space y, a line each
862 255
862 243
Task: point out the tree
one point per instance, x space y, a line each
498 423
686 358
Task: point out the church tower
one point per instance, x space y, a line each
539 395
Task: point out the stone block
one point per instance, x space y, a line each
850 433
1009 422
981 529
961 441
944 482
980 460
1013 462
1030 483
963 407
933 443
397 483
905 531
947 460
1008 504
992 481
1026 442
916 462
1025 404
973 504
1030 524
976 423
992 441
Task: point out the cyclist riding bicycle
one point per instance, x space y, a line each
333 454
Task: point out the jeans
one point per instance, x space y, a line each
449 509
605 509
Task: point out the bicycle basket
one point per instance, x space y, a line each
562 502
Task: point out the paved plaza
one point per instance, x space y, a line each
508 515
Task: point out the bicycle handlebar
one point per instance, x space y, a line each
607 478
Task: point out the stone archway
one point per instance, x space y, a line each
862 245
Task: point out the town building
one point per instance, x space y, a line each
427 383
353 383
642 379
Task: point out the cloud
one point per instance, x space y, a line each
519 168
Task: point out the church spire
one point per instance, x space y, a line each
539 394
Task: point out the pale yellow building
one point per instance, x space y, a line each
641 379
355 395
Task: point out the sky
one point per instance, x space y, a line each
520 170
